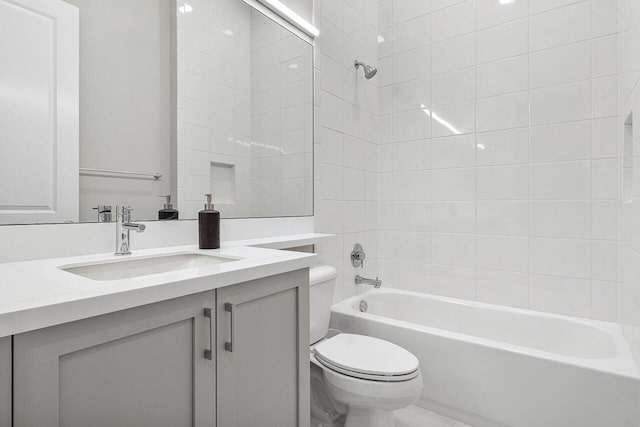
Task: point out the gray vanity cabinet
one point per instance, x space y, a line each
263 352
5 382
139 367
233 357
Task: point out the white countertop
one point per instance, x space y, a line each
37 294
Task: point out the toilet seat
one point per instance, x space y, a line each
367 358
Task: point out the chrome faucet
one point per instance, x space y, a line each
376 283
123 227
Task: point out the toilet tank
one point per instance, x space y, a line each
322 283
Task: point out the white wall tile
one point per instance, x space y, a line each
604 56
452 119
503 112
453 184
503 41
561 103
503 183
561 257
604 260
604 17
561 181
503 147
452 281
604 179
454 249
560 26
454 20
453 151
404 10
503 287
560 295
503 253
605 96
454 53
563 141
560 218
405 34
454 86
509 194
563 64
495 12
507 218
453 217
504 76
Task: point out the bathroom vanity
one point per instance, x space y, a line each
224 344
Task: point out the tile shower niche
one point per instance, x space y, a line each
223 183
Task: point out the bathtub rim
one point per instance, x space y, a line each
622 364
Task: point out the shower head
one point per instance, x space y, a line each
369 71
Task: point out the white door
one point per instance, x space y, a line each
38 111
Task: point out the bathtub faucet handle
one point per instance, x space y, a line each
358 256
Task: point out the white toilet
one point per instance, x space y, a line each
365 378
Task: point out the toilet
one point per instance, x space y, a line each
359 378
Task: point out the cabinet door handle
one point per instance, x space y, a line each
208 353
229 308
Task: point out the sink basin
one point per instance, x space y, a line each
130 268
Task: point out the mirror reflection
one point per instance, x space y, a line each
167 102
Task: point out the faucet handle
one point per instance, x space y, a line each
358 255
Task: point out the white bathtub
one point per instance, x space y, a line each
490 365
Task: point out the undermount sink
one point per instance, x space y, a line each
131 268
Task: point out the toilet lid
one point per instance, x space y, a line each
366 357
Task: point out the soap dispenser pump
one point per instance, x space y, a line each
209 226
168 212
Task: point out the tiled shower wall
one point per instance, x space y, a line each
214 103
629 66
345 152
498 151
281 121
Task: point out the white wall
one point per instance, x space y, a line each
499 168
125 102
29 242
629 67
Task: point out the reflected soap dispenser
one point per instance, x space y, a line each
209 226
168 212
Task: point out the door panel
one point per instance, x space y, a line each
38 111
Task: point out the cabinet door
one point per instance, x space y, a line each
5 382
263 352
140 367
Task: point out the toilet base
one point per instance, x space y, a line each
369 417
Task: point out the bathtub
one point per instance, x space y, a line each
490 365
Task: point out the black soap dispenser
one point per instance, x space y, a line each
209 226
168 212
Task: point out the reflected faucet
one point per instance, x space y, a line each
123 227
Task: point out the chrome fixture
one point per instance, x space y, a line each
369 71
364 306
104 213
91 171
123 227
358 256
376 283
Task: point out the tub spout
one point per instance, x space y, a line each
376 283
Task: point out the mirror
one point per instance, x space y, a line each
172 98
